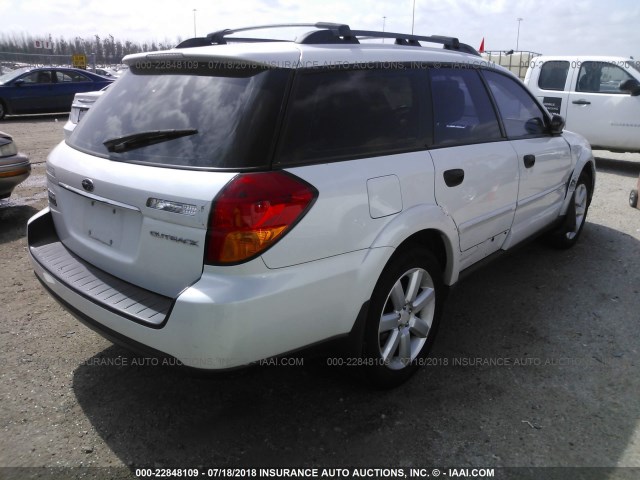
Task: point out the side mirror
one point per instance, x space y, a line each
631 86
18 83
556 125
534 126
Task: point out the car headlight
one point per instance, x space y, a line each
8 149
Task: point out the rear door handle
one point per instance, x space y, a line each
454 177
529 161
581 102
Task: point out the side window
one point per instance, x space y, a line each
600 77
65 77
42 76
462 110
341 114
553 75
521 115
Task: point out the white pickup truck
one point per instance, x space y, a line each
599 97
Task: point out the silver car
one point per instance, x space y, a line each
82 102
231 201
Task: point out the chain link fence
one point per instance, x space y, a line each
517 62
10 61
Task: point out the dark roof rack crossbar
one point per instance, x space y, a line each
328 33
219 36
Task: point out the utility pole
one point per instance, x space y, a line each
413 16
518 37
194 22
384 21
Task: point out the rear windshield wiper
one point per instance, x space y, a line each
143 139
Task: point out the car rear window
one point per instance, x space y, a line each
230 111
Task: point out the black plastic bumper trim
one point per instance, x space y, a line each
43 240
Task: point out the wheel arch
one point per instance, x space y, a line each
426 226
431 239
586 165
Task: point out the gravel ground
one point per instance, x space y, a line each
536 365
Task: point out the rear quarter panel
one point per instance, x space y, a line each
342 219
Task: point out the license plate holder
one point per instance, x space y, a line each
104 222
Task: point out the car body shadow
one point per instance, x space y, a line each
39 118
13 220
533 366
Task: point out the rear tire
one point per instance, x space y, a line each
567 237
633 198
3 110
403 317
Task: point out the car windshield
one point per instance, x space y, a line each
7 77
231 114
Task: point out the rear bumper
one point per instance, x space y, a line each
54 262
223 320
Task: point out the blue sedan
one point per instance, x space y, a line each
45 89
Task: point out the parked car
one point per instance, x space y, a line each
81 104
14 167
45 89
227 201
598 96
107 72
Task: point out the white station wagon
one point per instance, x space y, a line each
232 200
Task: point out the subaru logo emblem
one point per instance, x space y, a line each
87 184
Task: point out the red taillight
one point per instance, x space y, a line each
252 212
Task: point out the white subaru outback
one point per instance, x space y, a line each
232 200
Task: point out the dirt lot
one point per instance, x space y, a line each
536 365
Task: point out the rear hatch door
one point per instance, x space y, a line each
135 182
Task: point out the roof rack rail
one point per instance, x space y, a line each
449 43
335 30
329 33
338 28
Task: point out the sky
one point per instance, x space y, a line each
552 27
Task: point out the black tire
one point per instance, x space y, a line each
403 317
568 235
3 110
633 198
